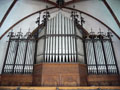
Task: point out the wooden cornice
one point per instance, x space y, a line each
61 88
112 13
7 12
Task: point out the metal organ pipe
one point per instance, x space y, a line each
60 40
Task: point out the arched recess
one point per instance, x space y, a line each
54 8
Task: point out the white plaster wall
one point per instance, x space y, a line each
21 9
97 9
115 5
4 5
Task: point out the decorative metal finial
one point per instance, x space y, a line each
11 34
28 33
38 19
109 33
82 19
74 15
19 34
92 33
100 32
46 16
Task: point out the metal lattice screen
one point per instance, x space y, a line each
100 56
19 56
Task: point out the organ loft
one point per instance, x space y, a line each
62 44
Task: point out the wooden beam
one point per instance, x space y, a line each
8 11
112 13
63 88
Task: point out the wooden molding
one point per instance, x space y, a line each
61 74
112 13
16 79
104 80
60 88
65 74
8 11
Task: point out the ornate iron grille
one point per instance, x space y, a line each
100 55
20 54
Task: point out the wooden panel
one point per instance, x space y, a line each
13 80
61 88
55 74
60 74
104 80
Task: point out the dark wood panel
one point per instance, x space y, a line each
104 80
16 79
60 74
56 74
61 88
0 79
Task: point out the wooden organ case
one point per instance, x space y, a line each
60 53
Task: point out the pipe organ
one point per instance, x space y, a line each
61 41
59 53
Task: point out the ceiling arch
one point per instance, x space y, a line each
54 8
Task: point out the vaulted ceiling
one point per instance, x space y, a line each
53 2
